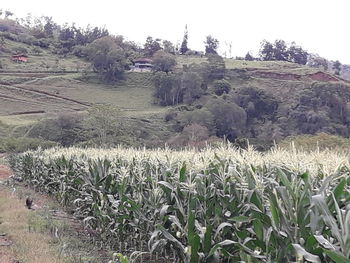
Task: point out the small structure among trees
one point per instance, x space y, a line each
20 58
142 65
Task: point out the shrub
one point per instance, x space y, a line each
221 87
22 144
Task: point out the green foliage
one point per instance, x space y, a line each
297 55
216 67
163 61
103 121
337 67
151 46
184 48
191 85
211 45
256 102
317 62
22 144
172 89
224 210
168 47
221 87
107 58
192 135
281 52
230 119
201 116
66 130
167 89
323 108
248 57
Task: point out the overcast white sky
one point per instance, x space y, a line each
319 26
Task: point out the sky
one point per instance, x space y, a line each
319 26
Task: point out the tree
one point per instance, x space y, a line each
297 55
49 26
107 58
191 84
266 51
221 87
230 119
167 89
256 102
8 14
168 47
337 67
281 52
316 61
216 67
248 57
184 48
103 121
211 45
201 116
151 46
163 61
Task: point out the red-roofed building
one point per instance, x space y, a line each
20 58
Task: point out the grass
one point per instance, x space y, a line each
280 66
134 96
30 247
45 61
321 141
21 120
43 235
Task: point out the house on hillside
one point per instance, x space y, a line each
142 65
20 58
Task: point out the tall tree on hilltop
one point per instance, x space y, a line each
297 54
336 67
151 46
211 45
248 57
184 48
8 14
168 47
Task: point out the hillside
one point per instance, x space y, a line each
266 101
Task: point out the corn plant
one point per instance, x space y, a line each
217 205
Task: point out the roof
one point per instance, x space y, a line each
143 60
19 55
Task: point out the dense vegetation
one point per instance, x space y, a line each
218 205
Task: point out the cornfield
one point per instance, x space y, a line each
213 205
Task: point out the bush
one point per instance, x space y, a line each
221 87
66 130
163 61
22 144
216 67
230 119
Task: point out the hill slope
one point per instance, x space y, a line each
49 85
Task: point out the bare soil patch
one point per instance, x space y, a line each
5 172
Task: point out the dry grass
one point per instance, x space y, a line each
29 247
